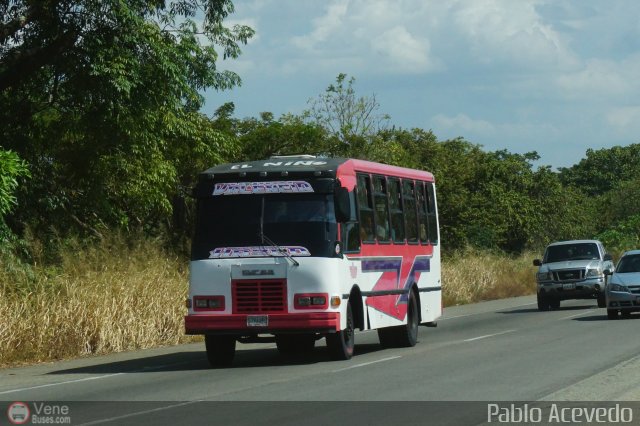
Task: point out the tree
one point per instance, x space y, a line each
602 169
12 168
344 114
101 98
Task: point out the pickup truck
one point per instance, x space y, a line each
574 269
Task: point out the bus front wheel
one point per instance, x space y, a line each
220 350
341 343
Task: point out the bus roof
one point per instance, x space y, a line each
328 166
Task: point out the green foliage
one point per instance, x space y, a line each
622 236
602 169
11 169
101 98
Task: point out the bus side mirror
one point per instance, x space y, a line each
343 204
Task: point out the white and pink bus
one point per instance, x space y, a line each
300 248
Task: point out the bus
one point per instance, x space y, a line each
299 248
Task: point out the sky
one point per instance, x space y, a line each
557 77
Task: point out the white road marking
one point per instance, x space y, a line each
138 413
473 339
481 313
60 383
577 315
367 363
142 370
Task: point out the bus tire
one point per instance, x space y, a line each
341 343
408 334
403 335
294 344
220 349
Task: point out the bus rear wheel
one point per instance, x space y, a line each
403 335
341 343
220 349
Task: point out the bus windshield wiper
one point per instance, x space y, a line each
269 241
281 250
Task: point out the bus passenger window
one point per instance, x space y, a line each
431 212
422 213
365 207
381 211
411 218
395 209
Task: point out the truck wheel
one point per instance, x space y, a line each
612 314
543 302
341 343
220 350
554 303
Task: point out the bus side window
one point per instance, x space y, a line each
431 212
411 218
381 210
351 230
422 212
395 209
365 208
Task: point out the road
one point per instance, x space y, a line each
496 351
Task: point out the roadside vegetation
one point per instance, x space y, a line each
126 293
97 160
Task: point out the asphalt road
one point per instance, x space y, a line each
492 352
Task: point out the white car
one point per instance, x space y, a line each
623 288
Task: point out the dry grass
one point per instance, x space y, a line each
475 276
118 296
109 298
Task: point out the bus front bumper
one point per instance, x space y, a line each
314 322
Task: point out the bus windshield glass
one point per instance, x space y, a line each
300 220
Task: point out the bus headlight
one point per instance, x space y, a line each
310 300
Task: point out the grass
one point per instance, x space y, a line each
475 276
108 298
119 295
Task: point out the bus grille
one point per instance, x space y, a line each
259 296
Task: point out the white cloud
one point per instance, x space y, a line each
500 31
324 26
404 52
602 77
463 124
625 120
527 135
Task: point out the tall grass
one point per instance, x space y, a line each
474 276
100 299
128 293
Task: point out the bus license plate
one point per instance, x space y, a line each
257 320
568 286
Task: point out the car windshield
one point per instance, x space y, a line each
630 263
577 251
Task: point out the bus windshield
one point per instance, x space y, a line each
306 220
